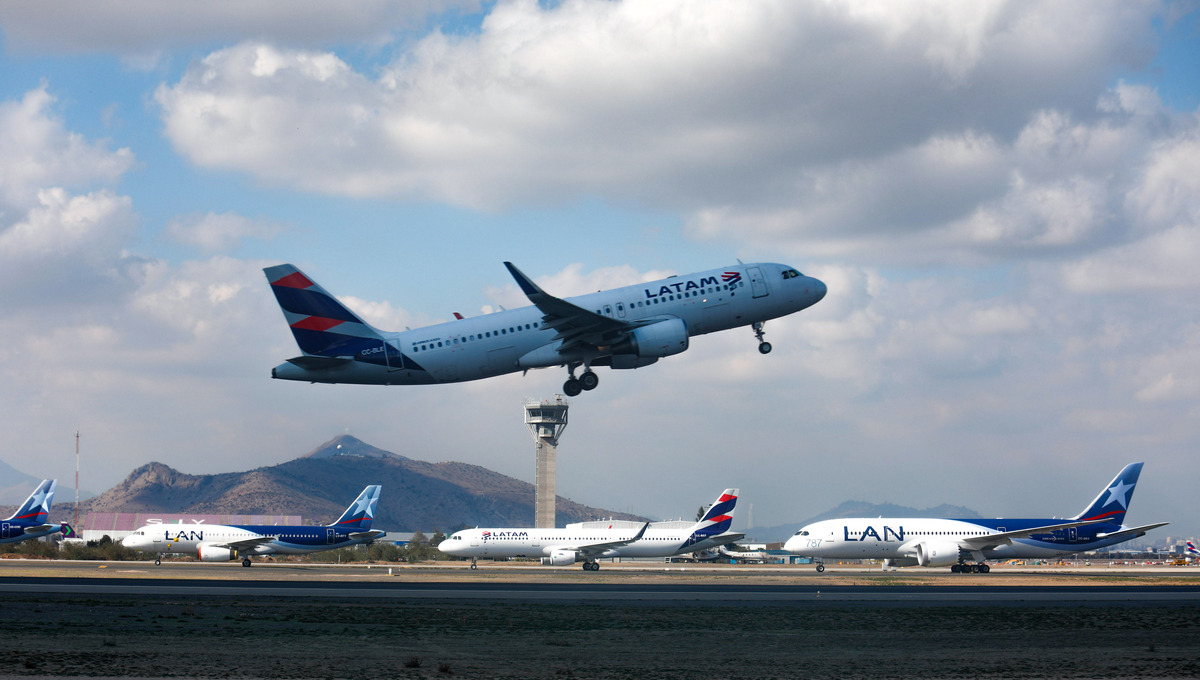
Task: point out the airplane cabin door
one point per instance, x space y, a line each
757 283
392 357
4 530
329 535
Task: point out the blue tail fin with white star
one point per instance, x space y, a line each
361 512
36 508
1113 500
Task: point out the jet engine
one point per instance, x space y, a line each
560 558
937 553
211 553
660 339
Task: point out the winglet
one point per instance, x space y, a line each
527 285
641 533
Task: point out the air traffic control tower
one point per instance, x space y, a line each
546 420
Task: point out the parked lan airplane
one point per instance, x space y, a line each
29 521
623 328
948 542
561 547
222 543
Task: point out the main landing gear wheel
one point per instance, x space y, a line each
591 566
245 561
572 387
589 380
820 568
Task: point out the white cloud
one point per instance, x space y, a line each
213 232
704 104
141 30
37 152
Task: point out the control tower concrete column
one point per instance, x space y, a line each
546 419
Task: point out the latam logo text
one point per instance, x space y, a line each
185 536
889 534
682 286
505 534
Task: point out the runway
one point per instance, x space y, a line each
629 585
506 621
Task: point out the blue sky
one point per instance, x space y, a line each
1002 197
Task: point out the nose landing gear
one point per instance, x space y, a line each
764 347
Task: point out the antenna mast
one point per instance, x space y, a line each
76 478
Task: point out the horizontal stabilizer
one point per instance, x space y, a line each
367 535
1132 532
314 363
40 528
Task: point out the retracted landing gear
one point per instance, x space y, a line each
764 347
246 562
587 381
591 565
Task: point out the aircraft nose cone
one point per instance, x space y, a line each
819 289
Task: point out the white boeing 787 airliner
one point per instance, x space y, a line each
623 328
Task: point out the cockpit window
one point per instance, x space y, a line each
790 274
802 532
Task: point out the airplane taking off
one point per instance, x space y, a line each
622 328
930 542
29 521
222 543
561 547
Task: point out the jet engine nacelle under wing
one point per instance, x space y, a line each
657 340
937 553
212 553
560 558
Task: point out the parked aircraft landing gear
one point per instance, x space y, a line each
963 568
764 347
473 563
157 561
591 566
820 568
246 561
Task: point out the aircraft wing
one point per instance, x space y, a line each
589 549
576 326
1006 538
246 543
1133 532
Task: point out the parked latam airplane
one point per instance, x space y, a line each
222 543
561 547
29 521
948 542
623 328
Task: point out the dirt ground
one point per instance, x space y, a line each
115 636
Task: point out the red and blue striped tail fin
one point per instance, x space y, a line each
321 325
719 516
1112 502
1192 550
36 508
361 512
